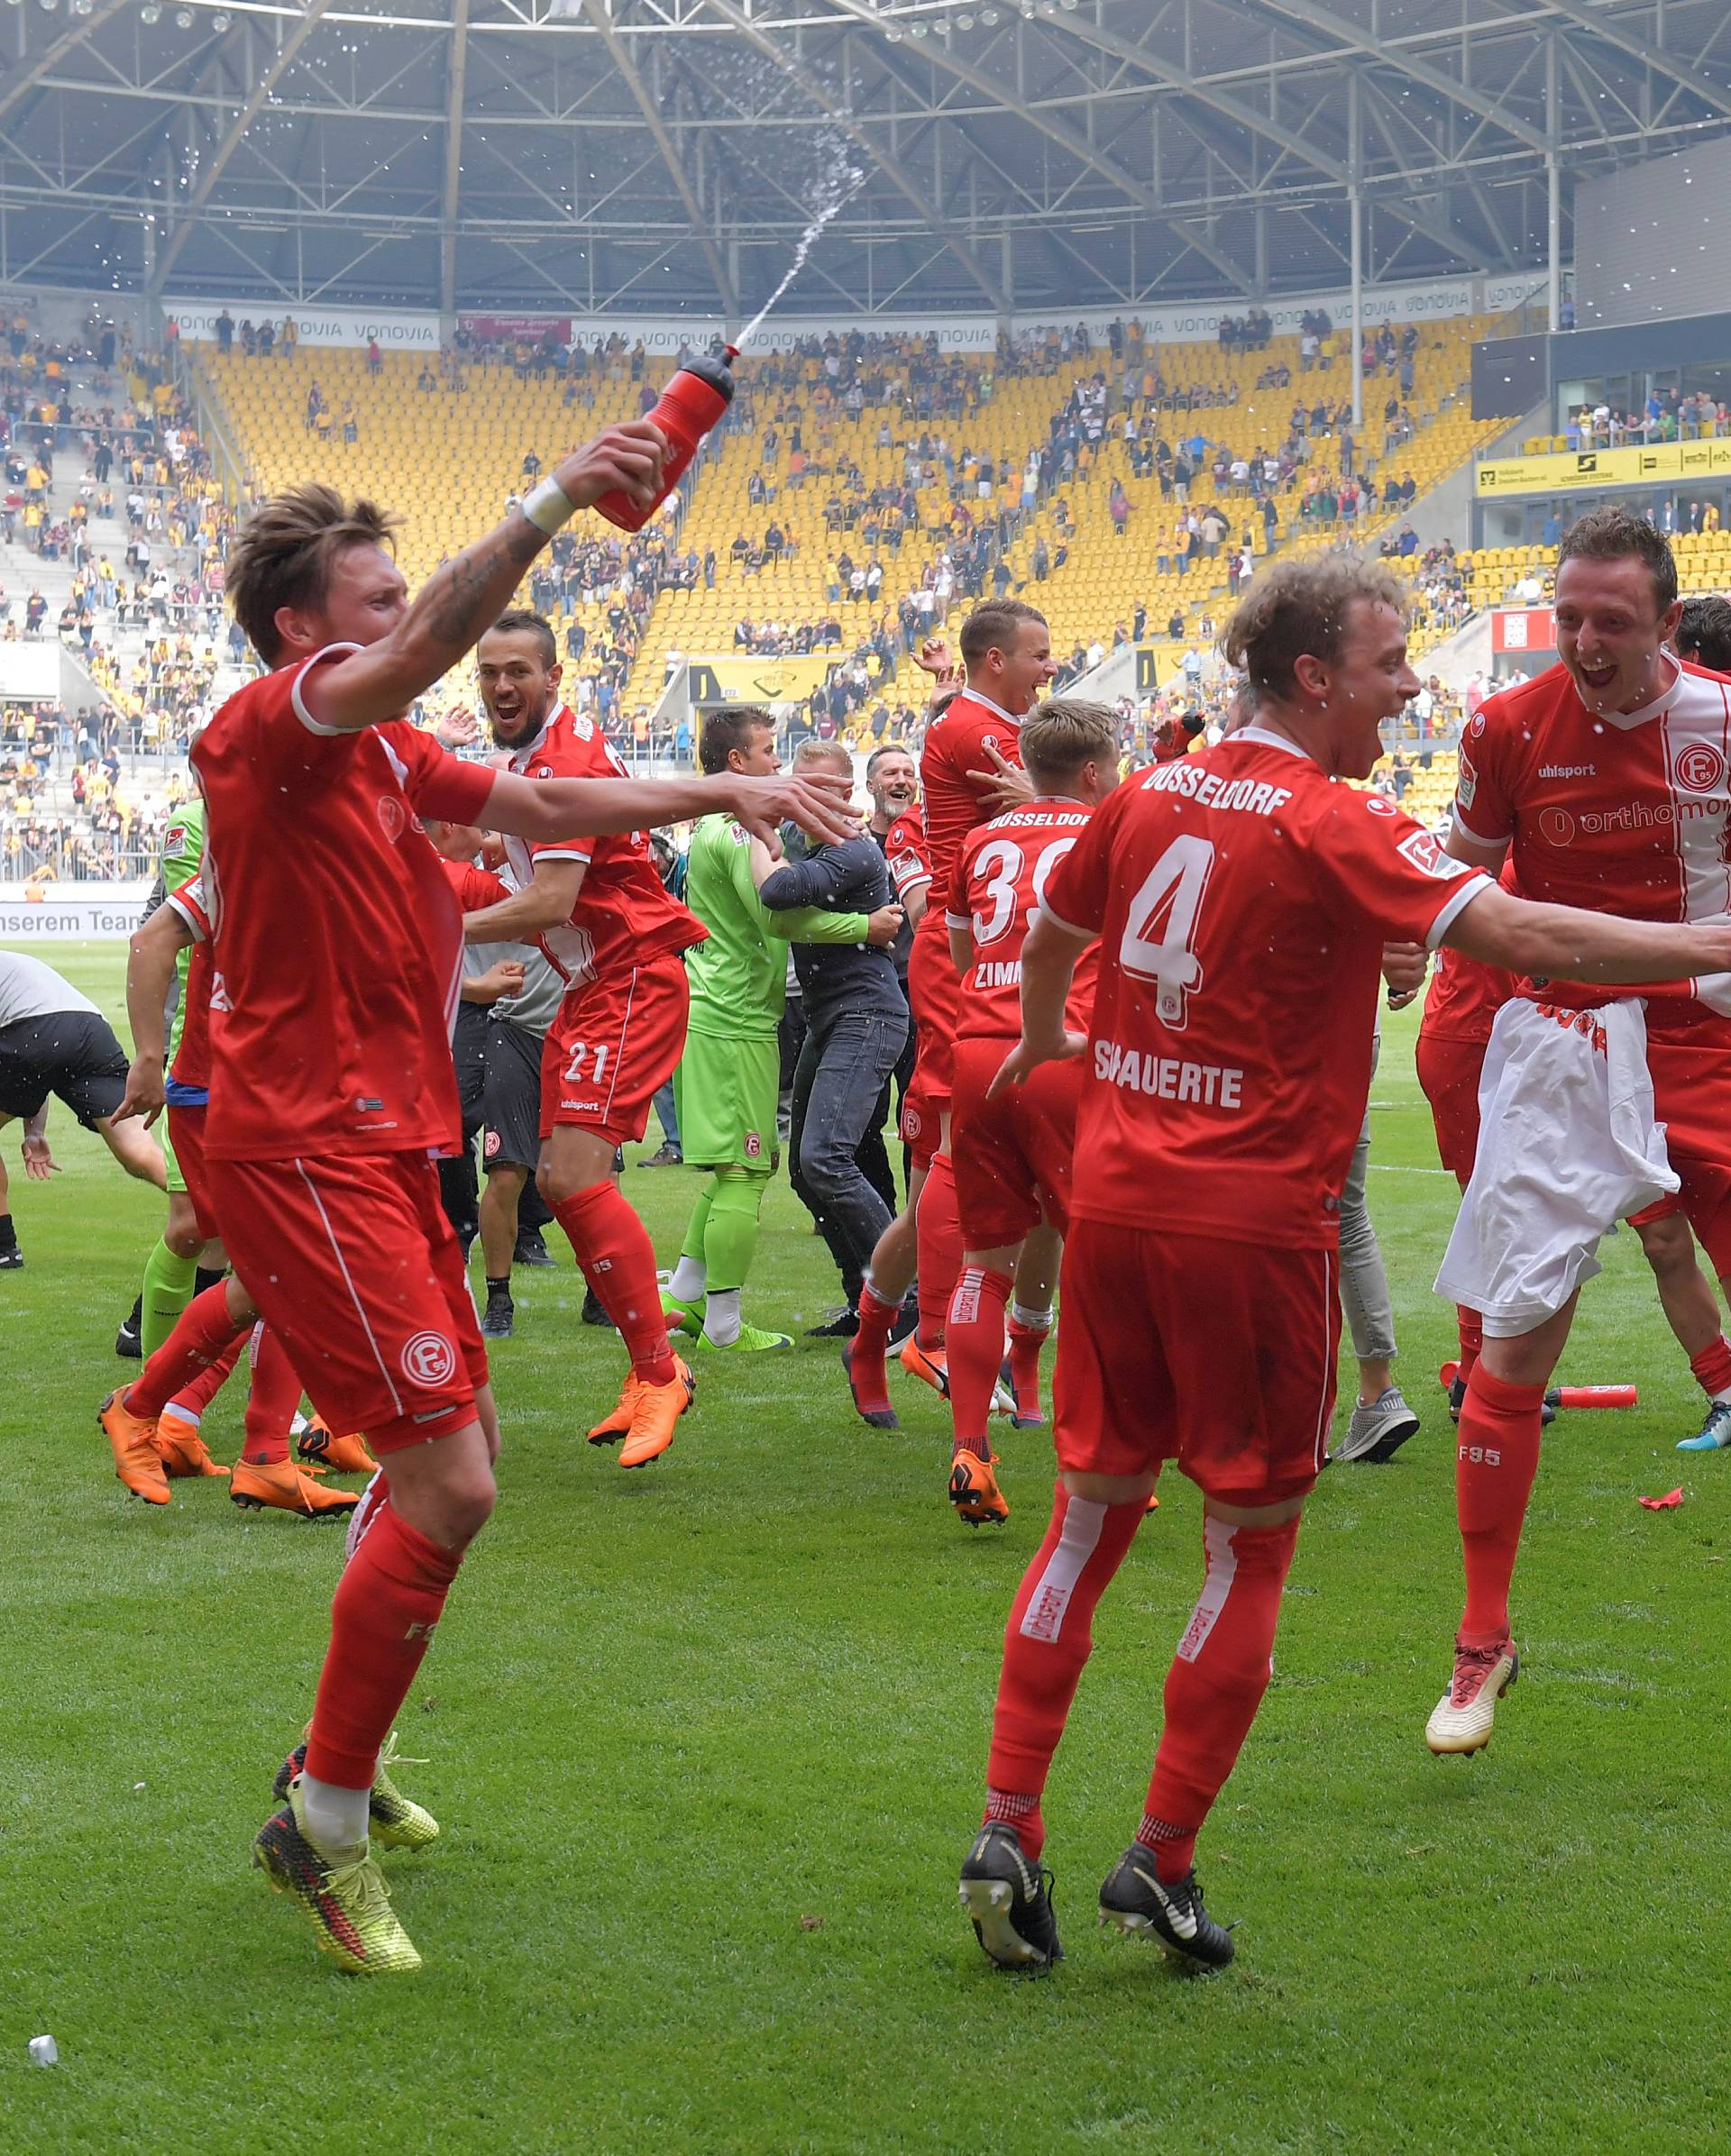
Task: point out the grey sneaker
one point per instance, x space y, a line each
1377 1432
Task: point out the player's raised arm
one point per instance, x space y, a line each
1566 943
352 589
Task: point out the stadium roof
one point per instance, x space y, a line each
655 156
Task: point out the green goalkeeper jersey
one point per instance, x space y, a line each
739 976
183 853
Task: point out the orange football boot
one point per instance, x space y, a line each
611 1428
973 1491
135 1457
280 1487
181 1446
342 1455
656 1409
930 1367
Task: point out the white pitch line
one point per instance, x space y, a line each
1396 1167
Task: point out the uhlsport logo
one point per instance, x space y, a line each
1701 767
429 1360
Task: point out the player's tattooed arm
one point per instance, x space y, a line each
463 596
466 595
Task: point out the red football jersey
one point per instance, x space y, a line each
1005 869
623 914
905 851
1241 903
192 1057
337 946
474 886
955 745
1629 813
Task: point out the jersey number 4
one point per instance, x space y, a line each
1161 926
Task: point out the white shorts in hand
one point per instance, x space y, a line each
1567 1147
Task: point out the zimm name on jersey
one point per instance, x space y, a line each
1167 1077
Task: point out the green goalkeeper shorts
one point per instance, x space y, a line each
176 1184
724 1091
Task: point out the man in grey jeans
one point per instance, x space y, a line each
1381 1420
856 1024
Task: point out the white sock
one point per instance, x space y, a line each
721 1316
334 1819
1035 1320
182 1414
687 1283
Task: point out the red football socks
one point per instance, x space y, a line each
1026 1341
975 1346
387 1601
197 1394
1497 1456
271 1401
1215 1684
868 1349
937 1245
1046 1645
1712 1368
201 1333
614 1250
1470 1326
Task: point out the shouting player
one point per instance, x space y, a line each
606 918
1012 1152
1241 902
337 957
1605 781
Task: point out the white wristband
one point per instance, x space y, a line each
548 506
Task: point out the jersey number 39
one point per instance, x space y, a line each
1000 864
1161 926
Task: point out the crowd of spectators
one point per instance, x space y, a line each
1666 416
69 812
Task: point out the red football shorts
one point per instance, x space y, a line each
935 995
1448 1075
1662 1209
1691 1097
613 1045
1219 1355
1011 1155
353 1266
187 1136
921 1118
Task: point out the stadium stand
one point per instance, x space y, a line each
863 494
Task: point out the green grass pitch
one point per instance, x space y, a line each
706 1744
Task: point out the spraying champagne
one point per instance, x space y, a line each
685 411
